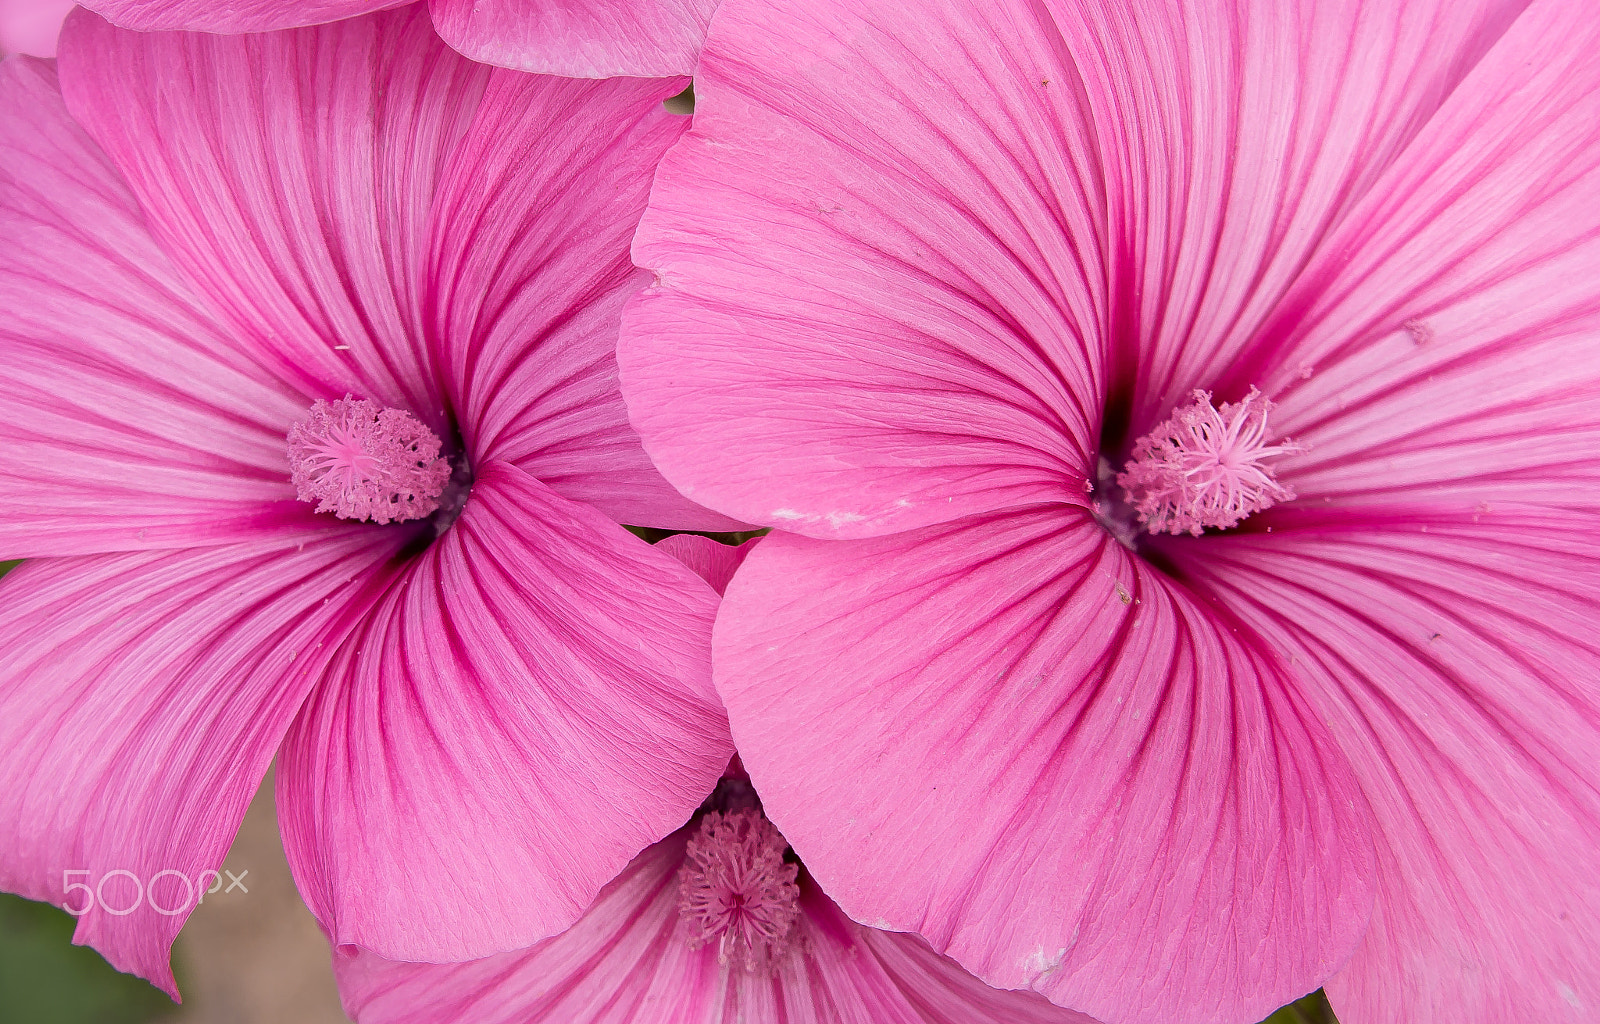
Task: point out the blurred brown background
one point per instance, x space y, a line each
256 957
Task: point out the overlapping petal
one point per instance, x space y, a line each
1058 764
880 291
582 38
142 696
713 562
232 16
530 271
629 961
525 713
133 419
1454 657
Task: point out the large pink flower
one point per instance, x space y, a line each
973 299
349 256
582 38
716 924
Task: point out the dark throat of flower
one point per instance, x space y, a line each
1206 467
371 463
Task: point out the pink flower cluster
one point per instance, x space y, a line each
1175 429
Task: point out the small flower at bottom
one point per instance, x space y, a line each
651 951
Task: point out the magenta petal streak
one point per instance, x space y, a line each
530 312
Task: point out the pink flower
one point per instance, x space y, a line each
580 38
716 924
931 278
348 257
31 26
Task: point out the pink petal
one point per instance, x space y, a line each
583 39
291 176
905 301
232 15
628 961
1051 760
1234 136
534 219
713 562
1455 658
133 419
31 26
530 710
141 698
1445 345
877 306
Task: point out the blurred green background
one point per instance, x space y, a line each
44 979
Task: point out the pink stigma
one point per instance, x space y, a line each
1206 468
361 461
735 889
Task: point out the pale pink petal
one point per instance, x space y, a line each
1445 345
581 38
1455 658
291 176
531 237
1050 759
31 26
628 961
133 419
525 714
231 15
141 698
878 301
713 562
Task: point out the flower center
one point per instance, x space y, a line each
1206 467
360 460
736 889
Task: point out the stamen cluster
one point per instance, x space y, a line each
1205 467
359 460
736 889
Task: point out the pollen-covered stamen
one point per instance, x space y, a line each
359 460
735 889
1206 467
